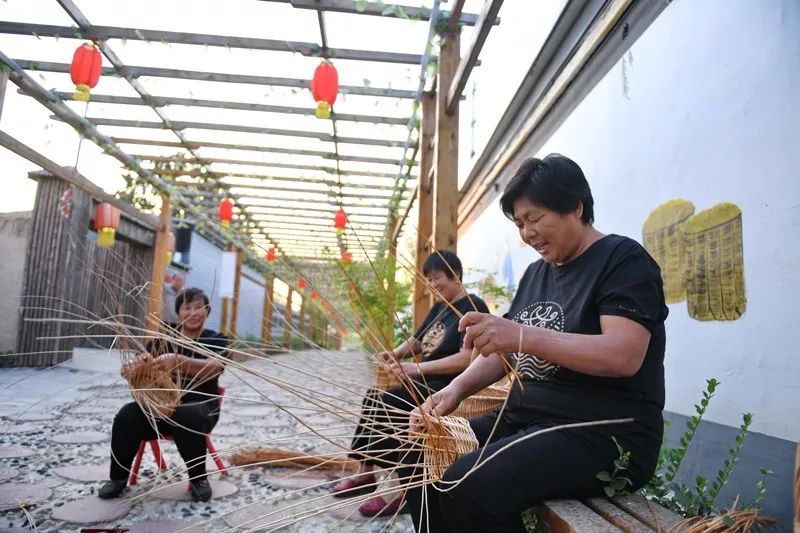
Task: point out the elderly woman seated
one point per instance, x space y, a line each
198 412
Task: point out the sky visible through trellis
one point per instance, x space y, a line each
506 56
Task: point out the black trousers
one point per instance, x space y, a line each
384 414
188 427
491 498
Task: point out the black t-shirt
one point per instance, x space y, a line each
439 333
614 276
210 340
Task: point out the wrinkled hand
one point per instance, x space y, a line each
168 361
403 371
441 403
127 367
385 357
489 334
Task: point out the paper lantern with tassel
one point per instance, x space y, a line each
314 295
106 223
347 257
340 221
324 88
271 255
302 284
85 70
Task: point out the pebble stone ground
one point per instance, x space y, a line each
54 449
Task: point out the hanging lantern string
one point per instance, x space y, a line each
80 137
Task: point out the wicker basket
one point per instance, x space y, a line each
152 387
447 439
483 402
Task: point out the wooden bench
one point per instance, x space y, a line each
633 514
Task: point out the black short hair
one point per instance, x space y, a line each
190 295
443 261
555 182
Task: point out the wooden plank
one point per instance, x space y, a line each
422 300
445 183
487 17
161 101
373 8
291 189
3 85
647 512
287 320
266 317
237 283
615 515
571 516
247 79
302 325
156 298
270 164
454 16
260 149
183 125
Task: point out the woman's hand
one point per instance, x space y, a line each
404 371
169 361
490 334
440 403
385 357
128 367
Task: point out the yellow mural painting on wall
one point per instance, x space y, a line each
663 237
715 264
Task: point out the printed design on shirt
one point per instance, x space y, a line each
433 338
548 315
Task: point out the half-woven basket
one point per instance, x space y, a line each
483 402
152 387
447 438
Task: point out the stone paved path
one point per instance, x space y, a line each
54 431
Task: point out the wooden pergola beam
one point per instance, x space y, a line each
244 162
287 319
288 224
162 101
293 189
250 148
95 33
183 125
353 220
249 79
371 8
488 15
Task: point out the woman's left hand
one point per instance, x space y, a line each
489 334
168 361
403 370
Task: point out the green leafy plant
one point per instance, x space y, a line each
614 482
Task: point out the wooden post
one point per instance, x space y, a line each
391 287
302 325
155 301
237 283
422 299
266 317
445 182
287 320
3 84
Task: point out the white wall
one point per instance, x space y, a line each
710 114
14 237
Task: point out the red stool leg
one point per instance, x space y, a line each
137 463
215 456
162 464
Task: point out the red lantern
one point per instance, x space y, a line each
340 221
271 255
170 246
85 70
106 223
314 294
226 212
347 257
302 284
324 87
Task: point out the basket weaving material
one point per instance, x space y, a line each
482 402
152 387
447 439
385 379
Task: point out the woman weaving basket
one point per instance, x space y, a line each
196 389
440 344
585 332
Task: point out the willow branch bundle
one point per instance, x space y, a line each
152 387
292 459
733 521
446 439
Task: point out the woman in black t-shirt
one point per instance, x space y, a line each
586 334
439 343
199 409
